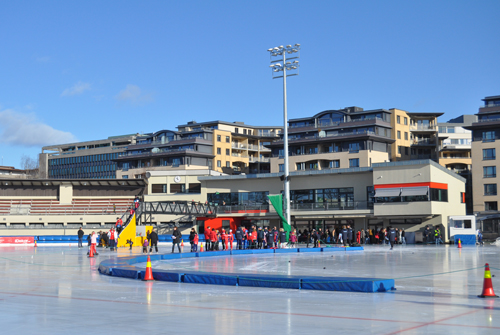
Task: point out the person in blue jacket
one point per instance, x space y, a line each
392 236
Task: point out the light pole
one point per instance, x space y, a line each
278 54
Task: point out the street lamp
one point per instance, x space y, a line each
279 54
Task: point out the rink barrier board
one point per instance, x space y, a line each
124 267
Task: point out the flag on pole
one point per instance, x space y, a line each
277 202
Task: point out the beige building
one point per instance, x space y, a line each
485 145
416 135
409 195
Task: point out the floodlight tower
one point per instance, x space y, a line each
279 54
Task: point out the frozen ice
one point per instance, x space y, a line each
58 290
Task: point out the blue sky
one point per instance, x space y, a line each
77 71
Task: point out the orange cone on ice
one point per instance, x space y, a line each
148 275
91 252
319 243
201 247
459 244
182 243
487 284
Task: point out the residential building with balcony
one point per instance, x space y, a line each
238 147
415 134
84 160
485 146
455 143
335 139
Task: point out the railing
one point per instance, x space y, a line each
424 128
228 209
259 159
51 207
332 206
423 142
267 133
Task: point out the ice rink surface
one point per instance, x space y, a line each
58 290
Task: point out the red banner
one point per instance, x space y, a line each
17 240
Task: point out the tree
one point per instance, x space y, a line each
30 166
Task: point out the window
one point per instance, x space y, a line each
489 171
490 189
400 149
228 152
406 135
177 188
354 162
219 163
218 138
219 151
406 151
282 168
299 166
399 135
489 136
159 188
489 154
353 147
227 139
406 121
195 188
490 206
335 164
398 119
439 195
228 164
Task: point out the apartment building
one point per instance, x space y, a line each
238 147
85 160
333 139
229 147
415 135
485 145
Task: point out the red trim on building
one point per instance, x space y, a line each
430 184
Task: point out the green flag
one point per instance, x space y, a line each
277 202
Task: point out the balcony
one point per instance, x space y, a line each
331 206
423 143
259 159
423 128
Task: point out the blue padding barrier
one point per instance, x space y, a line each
165 276
286 251
347 284
125 273
309 249
330 249
262 251
59 238
269 281
210 278
465 239
124 267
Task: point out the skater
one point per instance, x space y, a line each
283 240
145 246
293 238
223 237
153 237
176 239
192 233
270 240
345 234
239 238
112 239
80 237
349 235
479 237
260 238
403 238
207 239
93 243
230 238
391 234
130 243
194 248
315 238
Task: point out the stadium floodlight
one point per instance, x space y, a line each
277 67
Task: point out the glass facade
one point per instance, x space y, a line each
98 166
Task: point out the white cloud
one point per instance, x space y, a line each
134 95
76 89
25 130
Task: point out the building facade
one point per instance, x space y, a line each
485 145
335 139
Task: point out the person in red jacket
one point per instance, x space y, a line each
224 239
195 243
358 237
207 239
230 239
254 238
213 239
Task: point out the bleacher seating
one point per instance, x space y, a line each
54 207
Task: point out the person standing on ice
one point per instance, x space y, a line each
344 233
270 239
176 239
153 238
230 238
239 238
391 234
260 238
93 242
80 237
283 240
207 239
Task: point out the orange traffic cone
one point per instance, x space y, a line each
459 244
487 284
91 252
148 275
201 248
182 243
319 244
35 244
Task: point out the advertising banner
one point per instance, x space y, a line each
17 240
